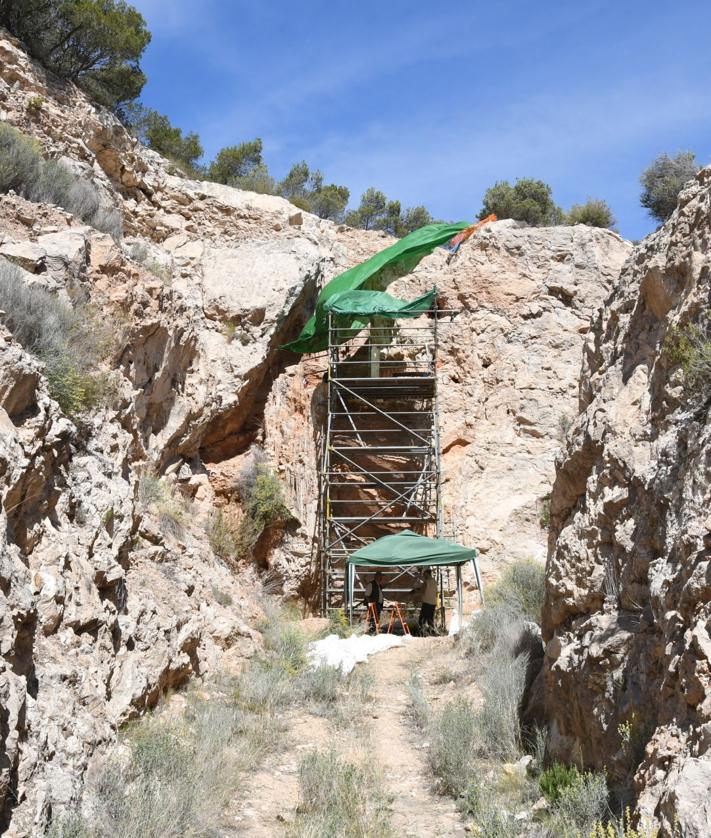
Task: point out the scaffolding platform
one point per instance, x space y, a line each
380 462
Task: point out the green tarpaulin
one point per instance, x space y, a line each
375 274
409 548
367 304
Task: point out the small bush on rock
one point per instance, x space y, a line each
521 588
689 347
262 501
49 328
23 169
593 213
527 200
663 180
554 780
155 495
580 806
222 533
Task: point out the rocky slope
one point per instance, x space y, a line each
110 590
627 615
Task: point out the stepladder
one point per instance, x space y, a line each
371 618
396 612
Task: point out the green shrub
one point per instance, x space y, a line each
179 775
453 740
262 501
222 534
320 686
266 688
34 105
222 597
73 825
356 691
580 806
23 169
338 623
557 778
593 213
527 200
236 162
521 588
288 645
58 335
663 180
487 628
305 189
340 798
491 820
419 706
623 827
689 347
156 131
502 683
544 516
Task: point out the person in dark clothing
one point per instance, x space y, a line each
374 594
428 592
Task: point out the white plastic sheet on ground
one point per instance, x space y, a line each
346 652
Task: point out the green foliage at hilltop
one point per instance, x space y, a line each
306 190
96 43
527 200
593 213
376 212
155 130
663 180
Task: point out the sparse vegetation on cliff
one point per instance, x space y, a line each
689 347
263 503
49 328
24 170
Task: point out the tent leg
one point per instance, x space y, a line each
460 595
475 565
351 586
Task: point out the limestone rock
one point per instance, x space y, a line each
626 620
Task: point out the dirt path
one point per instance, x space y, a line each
417 810
267 801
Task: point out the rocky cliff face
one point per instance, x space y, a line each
509 366
109 590
627 614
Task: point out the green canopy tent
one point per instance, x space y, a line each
367 304
375 274
408 549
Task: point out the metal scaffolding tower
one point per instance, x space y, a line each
380 469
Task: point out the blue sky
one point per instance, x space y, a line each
432 104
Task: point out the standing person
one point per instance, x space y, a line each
428 591
374 594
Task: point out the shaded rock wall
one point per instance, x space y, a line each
627 615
